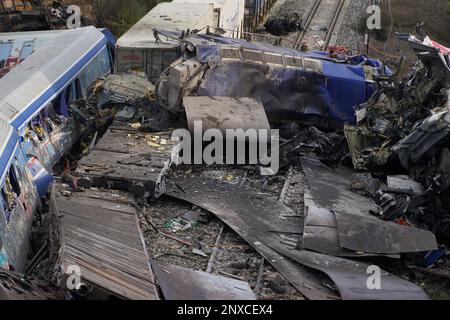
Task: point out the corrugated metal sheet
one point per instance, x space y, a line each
170 16
45 72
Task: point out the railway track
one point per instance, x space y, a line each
320 24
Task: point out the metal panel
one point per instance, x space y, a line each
185 284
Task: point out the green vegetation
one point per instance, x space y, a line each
120 15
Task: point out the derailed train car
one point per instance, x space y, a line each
40 125
307 87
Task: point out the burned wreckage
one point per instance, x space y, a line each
29 15
361 187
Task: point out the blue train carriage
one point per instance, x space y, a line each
19 200
298 86
35 107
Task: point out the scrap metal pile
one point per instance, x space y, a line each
404 129
374 193
350 203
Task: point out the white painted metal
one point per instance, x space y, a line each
169 16
231 14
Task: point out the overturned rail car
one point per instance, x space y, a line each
292 85
39 124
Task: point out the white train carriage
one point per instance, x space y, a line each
138 49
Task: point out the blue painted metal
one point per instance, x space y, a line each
40 101
6 155
41 177
333 93
35 174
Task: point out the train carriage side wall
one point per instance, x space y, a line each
138 50
152 61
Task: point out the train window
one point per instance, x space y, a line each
7 205
27 50
10 193
5 51
97 68
38 128
60 104
49 125
216 18
14 180
78 90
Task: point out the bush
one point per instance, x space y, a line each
120 15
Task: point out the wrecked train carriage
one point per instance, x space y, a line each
306 87
40 125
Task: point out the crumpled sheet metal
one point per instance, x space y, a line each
321 233
224 113
256 220
351 277
432 130
367 234
330 188
127 88
179 283
357 229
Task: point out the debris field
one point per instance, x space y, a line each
361 189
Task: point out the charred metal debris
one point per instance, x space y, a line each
363 184
19 15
